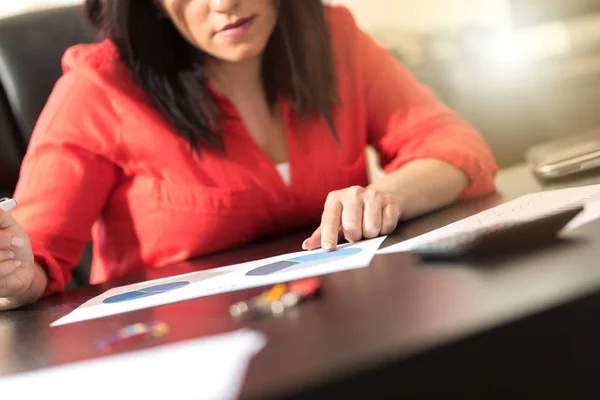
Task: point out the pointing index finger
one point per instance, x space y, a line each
330 224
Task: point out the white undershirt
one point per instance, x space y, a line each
284 172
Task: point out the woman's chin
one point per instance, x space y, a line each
239 53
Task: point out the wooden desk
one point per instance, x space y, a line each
514 326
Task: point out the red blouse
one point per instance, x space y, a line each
104 165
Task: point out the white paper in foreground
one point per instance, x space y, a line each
205 368
527 206
268 271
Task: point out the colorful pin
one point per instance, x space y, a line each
276 300
133 333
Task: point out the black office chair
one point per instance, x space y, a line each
31 49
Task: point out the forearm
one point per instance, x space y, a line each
423 185
32 294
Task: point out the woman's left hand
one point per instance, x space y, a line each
355 213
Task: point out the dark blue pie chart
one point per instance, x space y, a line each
145 292
308 260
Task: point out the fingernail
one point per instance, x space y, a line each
304 244
328 245
17 242
11 255
18 263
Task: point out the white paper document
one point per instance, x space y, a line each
590 213
263 272
205 368
527 206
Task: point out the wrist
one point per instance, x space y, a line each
423 185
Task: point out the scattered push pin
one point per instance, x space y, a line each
133 333
278 299
259 304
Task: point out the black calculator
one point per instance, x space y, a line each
499 238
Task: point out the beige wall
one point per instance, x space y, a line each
428 15
11 7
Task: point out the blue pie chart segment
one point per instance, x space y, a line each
304 261
327 255
145 292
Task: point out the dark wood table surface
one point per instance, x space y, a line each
522 325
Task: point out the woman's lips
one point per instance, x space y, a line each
237 28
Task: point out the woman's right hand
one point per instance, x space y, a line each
17 266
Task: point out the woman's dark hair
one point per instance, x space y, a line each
298 63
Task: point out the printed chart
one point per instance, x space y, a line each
264 272
145 292
306 261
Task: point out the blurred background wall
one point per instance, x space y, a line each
11 7
428 15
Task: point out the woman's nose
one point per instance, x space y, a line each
224 6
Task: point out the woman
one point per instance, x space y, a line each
198 125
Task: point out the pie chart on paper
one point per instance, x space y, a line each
145 292
302 262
